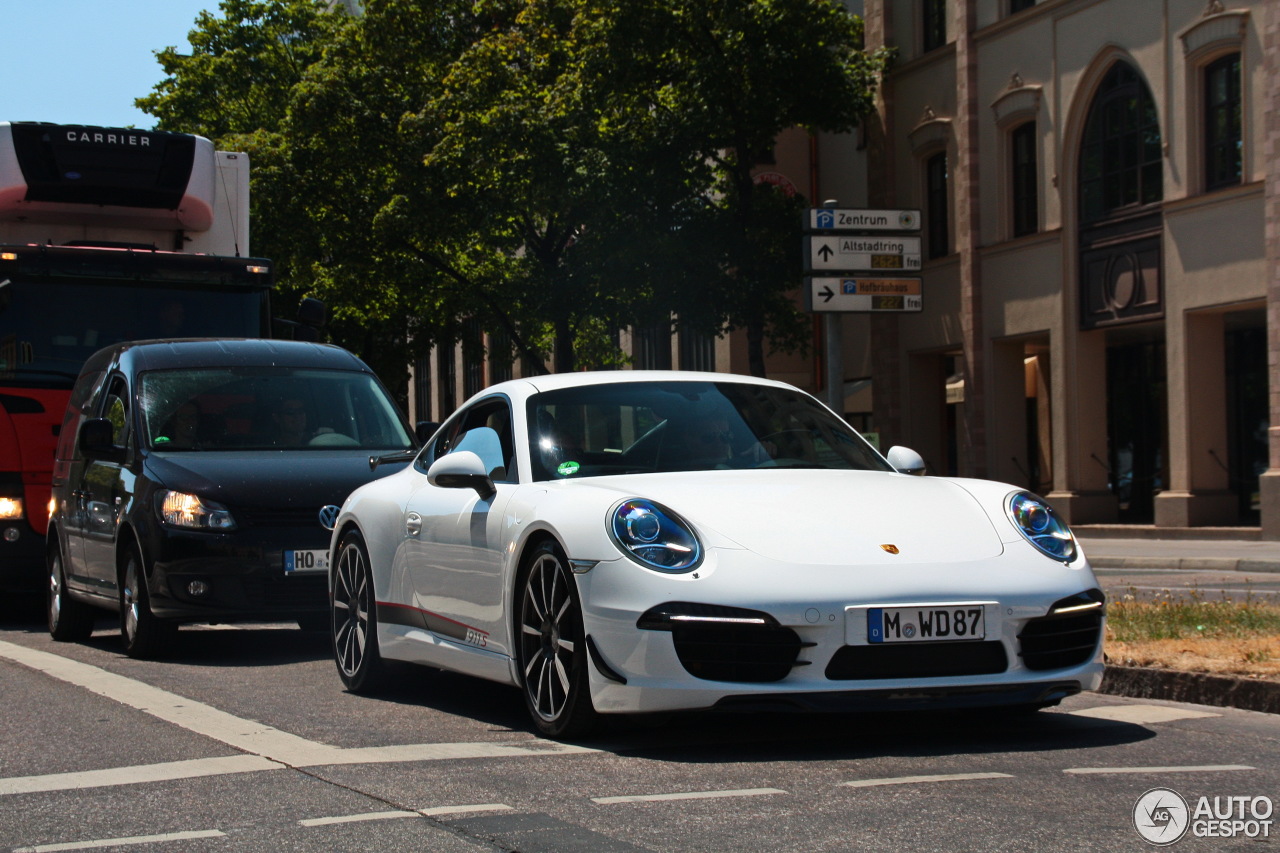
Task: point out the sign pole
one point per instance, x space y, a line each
835 361
858 249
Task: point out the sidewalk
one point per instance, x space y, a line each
1201 549
1219 549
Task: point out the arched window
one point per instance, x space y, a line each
1121 162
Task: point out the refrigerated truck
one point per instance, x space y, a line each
106 234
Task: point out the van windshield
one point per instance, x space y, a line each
199 409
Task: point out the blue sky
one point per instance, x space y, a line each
85 61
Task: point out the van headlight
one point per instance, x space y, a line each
190 512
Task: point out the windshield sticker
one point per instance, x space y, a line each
567 469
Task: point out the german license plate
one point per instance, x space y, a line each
300 562
928 623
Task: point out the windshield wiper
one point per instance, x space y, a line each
402 456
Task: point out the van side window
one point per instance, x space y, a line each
116 410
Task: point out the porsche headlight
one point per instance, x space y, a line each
1037 521
179 509
654 536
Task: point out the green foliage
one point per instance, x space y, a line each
240 75
552 170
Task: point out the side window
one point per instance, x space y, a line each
486 430
1223 110
933 24
1022 149
78 408
116 410
937 206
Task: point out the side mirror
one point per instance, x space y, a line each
97 439
905 460
461 469
311 312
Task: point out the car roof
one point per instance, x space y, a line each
137 356
523 388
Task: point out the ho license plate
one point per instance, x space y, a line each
299 562
928 624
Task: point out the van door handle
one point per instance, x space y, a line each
413 524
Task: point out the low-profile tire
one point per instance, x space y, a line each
70 621
354 622
144 634
552 646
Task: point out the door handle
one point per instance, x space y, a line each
413 524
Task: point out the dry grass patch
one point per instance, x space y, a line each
1187 631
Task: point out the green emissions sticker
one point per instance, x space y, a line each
567 469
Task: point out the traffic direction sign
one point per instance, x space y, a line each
835 219
852 294
850 252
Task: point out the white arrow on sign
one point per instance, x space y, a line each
846 252
864 294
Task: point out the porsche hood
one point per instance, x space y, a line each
821 516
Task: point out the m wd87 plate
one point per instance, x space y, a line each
929 623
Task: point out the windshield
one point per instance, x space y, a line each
203 409
48 329
639 427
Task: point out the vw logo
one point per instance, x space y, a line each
329 516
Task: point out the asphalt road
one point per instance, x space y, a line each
1186 584
243 740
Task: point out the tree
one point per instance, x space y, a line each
235 88
550 169
727 78
243 66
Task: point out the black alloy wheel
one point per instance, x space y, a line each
355 620
553 649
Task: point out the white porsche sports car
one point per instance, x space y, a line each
636 541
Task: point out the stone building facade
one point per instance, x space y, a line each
1097 180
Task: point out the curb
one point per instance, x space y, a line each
1198 564
1197 688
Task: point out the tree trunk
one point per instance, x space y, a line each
755 348
563 360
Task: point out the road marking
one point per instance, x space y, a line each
245 735
121 842
354 818
1142 714
268 748
437 811
1203 768
687 795
138 774
447 752
911 780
